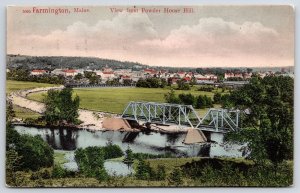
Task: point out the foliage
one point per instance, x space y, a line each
34 152
144 171
176 177
206 88
202 101
161 172
112 151
58 172
187 99
91 159
151 82
10 113
217 98
61 107
65 62
217 172
129 157
170 97
12 164
269 120
183 85
24 75
235 79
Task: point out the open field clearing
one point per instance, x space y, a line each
115 99
12 85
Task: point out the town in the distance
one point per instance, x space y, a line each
62 70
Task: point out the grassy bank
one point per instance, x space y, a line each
24 113
12 85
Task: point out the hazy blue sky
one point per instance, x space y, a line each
210 36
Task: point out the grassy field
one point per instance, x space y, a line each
12 85
24 113
115 99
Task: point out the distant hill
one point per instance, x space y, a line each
52 62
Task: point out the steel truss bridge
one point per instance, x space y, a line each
215 120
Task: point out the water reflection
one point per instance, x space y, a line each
153 143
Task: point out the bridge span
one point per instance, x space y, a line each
215 120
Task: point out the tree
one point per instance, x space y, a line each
182 85
193 81
78 76
61 107
269 120
10 113
32 151
144 171
187 99
35 152
170 97
217 98
129 156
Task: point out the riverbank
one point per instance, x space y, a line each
91 120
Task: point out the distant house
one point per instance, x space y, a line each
232 75
207 78
38 72
70 72
174 80
123 78
228 75
107 69
211 77
57 72
181 74
247 75
187 79
149 72
106 75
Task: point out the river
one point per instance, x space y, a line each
153 143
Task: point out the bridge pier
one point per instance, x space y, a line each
217 137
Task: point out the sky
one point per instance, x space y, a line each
210 36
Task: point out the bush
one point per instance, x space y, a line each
91 159
152 82
203 101
217 98
34 152
58 172
176 177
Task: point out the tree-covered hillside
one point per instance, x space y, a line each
52 62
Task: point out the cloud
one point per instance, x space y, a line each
132 36
214 36
121 32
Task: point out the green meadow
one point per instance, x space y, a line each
114 100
